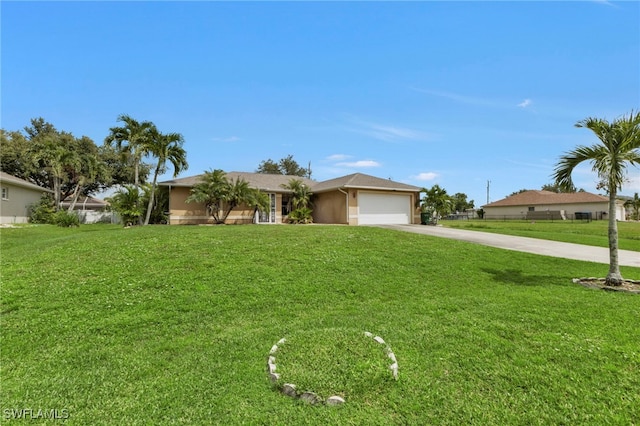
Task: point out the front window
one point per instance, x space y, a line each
286 204
5 193
532 209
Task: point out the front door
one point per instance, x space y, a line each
270 216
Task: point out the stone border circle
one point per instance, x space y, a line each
289 389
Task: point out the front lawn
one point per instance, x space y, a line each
173 325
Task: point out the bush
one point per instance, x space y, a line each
301 215
43 211
65 219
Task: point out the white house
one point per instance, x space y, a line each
17 196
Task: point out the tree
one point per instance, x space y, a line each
26 156
518 192
165 148
14 155
459 202
300 201
269 167
220 196
634 204
436 200
133 138
126 202
618 147
59 161
286 166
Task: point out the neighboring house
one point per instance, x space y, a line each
18 196
89 209
356 199
551 205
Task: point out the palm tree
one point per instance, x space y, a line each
126 202
212 191
133 137
58 160
300 193
300 211
618 148
91 169
436 200
165 148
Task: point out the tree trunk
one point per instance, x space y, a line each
56 191
153 192
76 194
136 180
614 278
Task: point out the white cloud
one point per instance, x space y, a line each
229 139
463 99
360 163
525 103
385 132
337 157
425 176
390 133
604 2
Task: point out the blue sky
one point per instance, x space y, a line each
449 93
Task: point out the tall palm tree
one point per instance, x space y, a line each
165 148
133 137
618 148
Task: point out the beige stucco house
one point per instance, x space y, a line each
17 197
356 199
552 205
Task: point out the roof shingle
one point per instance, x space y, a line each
533 198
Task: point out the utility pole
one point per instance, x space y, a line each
488 185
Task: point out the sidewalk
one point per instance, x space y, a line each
525 244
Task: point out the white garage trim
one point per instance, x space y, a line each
384 209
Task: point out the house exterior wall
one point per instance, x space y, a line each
520 212
330 207
15 208
183 213
337 207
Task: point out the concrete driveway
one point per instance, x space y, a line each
525 244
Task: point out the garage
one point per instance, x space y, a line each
384 209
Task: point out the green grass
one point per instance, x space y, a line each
590 233
173 325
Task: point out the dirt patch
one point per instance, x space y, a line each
629 286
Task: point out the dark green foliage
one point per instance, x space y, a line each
128 203
300 216
43 211
66 219
286 166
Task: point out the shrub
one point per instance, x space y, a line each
65 219
301 215
43 211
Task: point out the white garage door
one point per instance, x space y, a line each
383 209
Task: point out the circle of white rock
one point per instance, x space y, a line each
290 390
